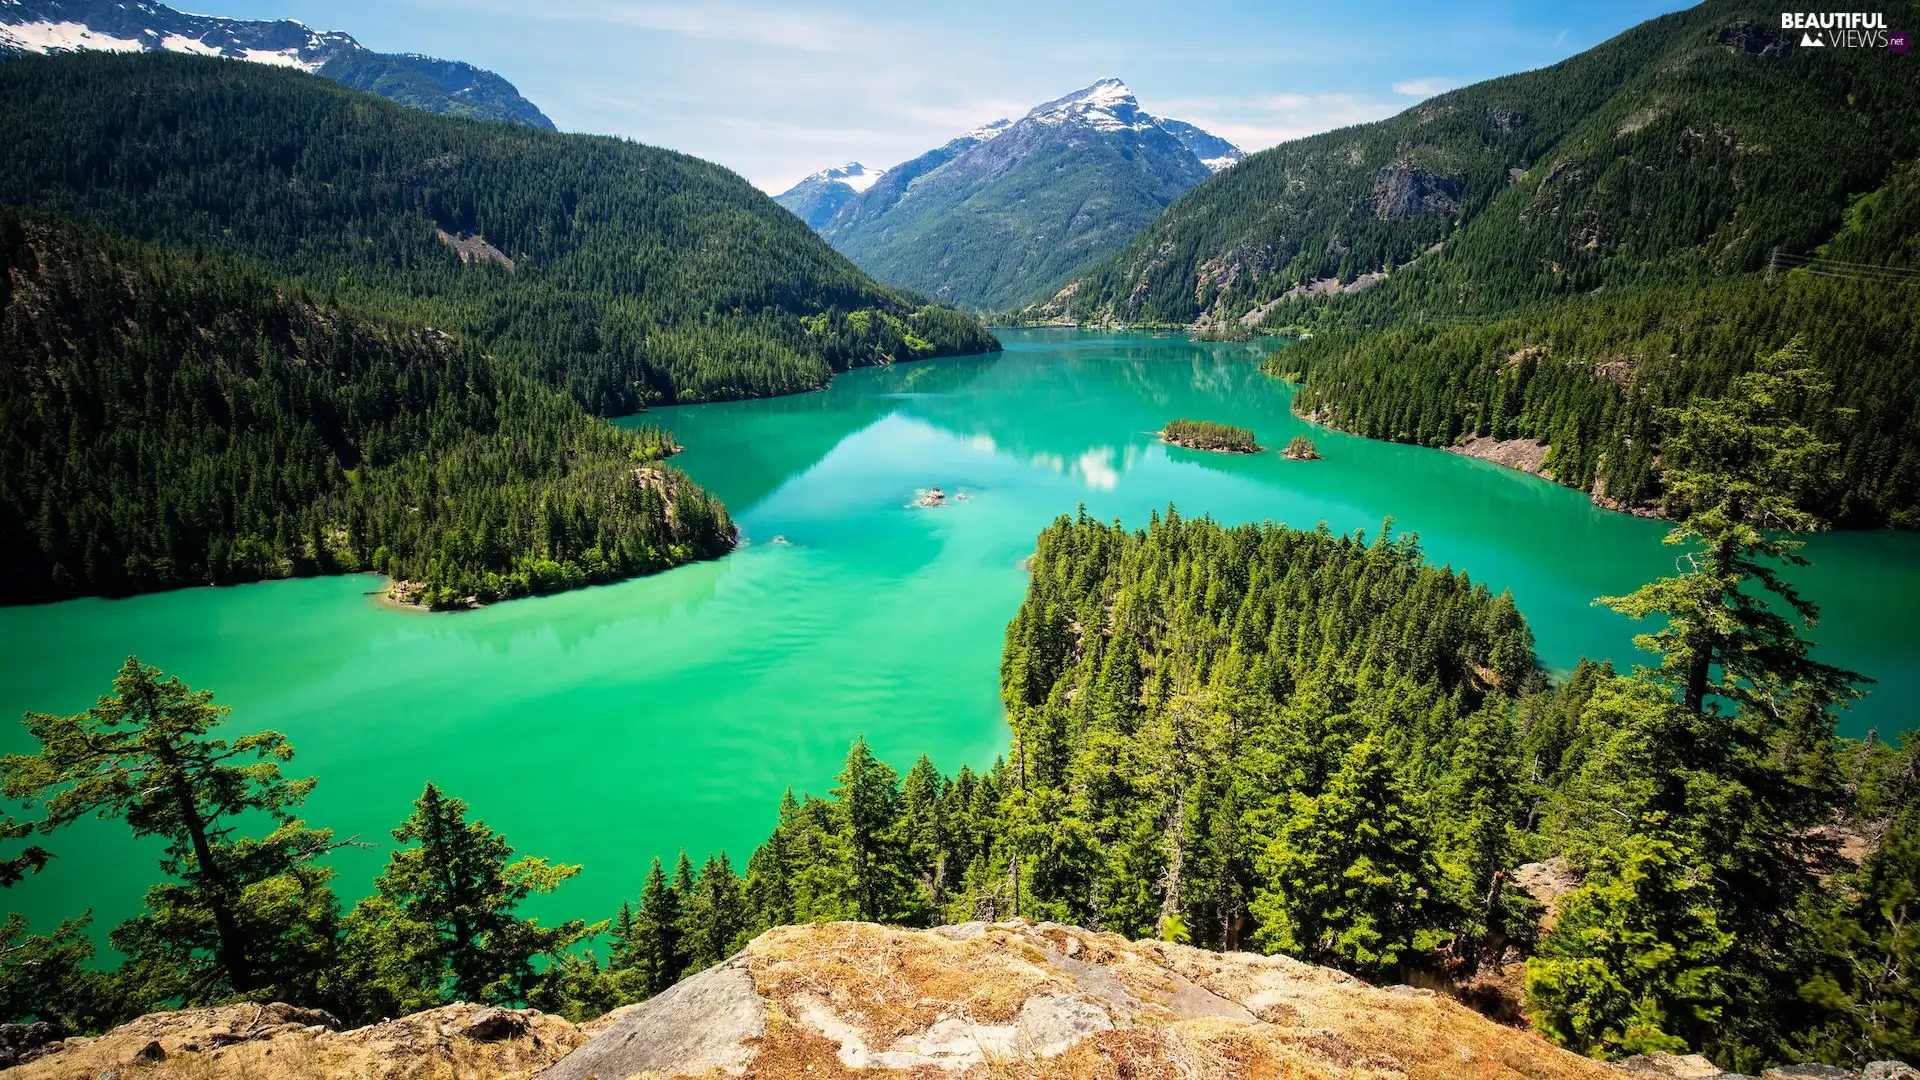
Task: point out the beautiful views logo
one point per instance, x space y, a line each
1844 29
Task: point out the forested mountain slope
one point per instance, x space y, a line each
1592 379
177 420
1688 147
622 273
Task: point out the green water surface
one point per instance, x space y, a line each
609 725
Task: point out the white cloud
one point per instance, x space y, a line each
1425 88
1096 467
1260 122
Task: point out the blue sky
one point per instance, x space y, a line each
775 90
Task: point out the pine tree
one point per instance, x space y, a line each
1868 987
1350 876
1634 963
656 949
874 885
923 829
48 977
716 916
444 908
247 915
1481 801
1740 471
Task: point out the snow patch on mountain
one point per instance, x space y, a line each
53 26
63 37
987 132
1105 106
853 174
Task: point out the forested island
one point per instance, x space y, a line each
1301 448
1207 435
1245 737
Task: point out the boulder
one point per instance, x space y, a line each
21 1043
701 1024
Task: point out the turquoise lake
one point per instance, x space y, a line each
610 725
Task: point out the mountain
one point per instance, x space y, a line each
1011 209
173 420
820 196
447 87
1534 267
623 274
1687 147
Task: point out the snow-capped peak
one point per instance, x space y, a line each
1107 105
853 174
985 132
129 26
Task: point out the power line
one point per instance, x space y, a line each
1817 266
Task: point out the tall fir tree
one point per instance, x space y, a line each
1740 471
1636 961
1867 985
656 950
242 914
442 923
874 883
1350 878
715 917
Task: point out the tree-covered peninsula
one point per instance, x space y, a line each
185 419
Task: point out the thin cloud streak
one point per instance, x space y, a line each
1425 88
777 27
1270 119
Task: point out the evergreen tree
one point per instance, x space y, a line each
656 950
1634 963
923 829
1867 989
243 915
1739 472
1350 876
716 916
1481 802
621 936
48 977
444 909
875 886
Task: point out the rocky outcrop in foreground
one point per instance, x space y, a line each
976 1001
281 1042
1019 1000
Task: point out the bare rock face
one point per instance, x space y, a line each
1400 191
698 1025
1043 1001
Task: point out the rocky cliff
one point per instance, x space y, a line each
978 1000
